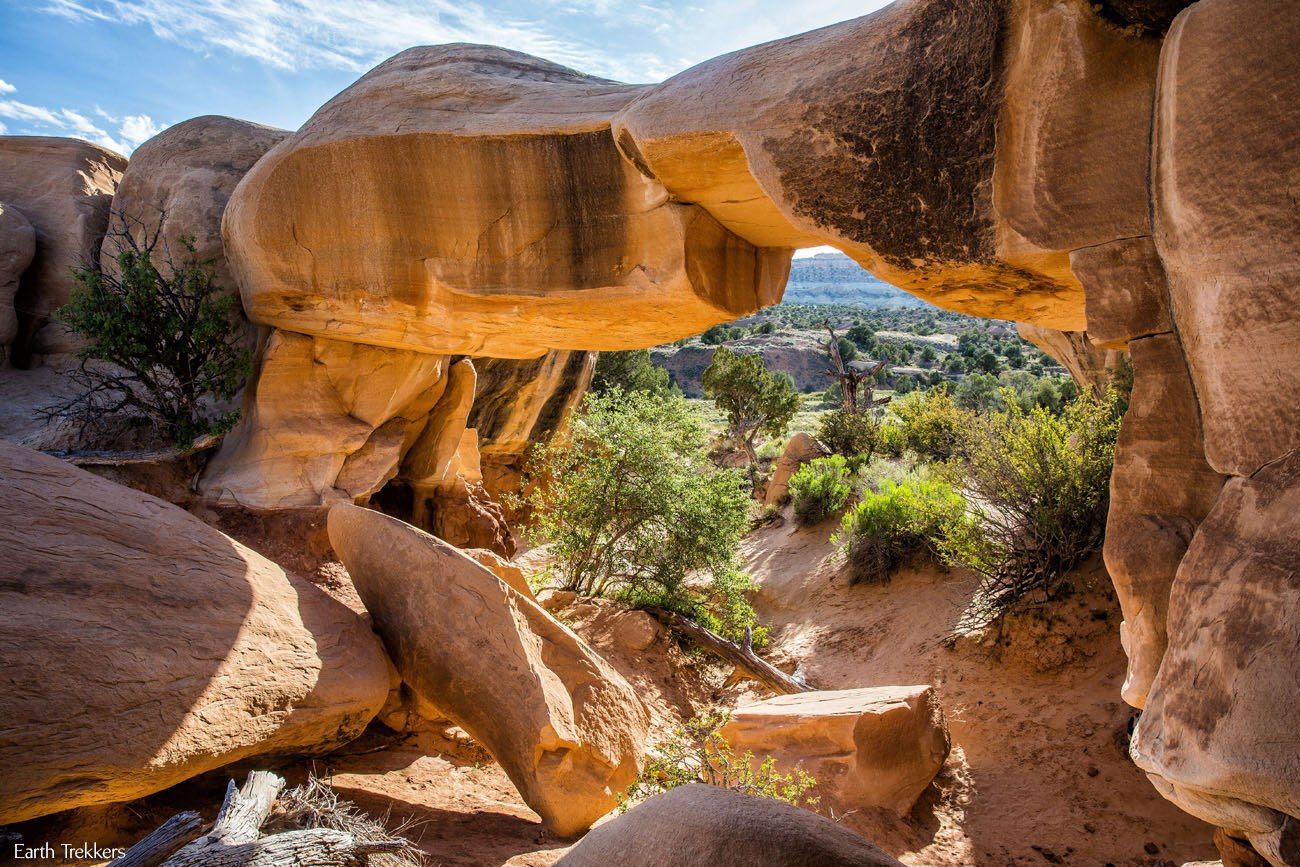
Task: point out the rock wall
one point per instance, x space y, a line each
17 247
63 187
487 212
1217 735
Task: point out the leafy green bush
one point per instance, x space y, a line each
1042 484
696 752
171 335
931 423
896 521
850 434
820 488
632 506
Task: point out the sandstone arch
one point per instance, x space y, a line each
1124 171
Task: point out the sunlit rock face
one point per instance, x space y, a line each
63 186
466 199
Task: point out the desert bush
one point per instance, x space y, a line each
820 488
162 339
890 440
1040 486
632 506
851 434
696 752
895 521
931 424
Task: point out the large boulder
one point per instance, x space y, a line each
488 213
707 826
140 647
874 747
566 728
17 247
1218 736
179 181
64 187
799 450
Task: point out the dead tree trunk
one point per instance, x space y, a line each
851 379
741 656
235 837
159 846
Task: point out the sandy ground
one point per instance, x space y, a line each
1037 775
1038 772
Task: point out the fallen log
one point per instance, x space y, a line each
235 837
163 842
742 656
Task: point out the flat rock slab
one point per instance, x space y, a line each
874 747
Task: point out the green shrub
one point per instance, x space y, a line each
891 441
696 752
171 334
896 521
631 370
850 434
754 399
931 423
632 506
820 489
1042 484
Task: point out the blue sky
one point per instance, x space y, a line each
118 71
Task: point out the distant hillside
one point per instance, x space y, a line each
834 278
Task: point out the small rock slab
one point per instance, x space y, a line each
874 747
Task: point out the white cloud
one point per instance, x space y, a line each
339 34
38 120
135 129
631 40
6 87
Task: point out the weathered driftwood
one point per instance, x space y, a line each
235 837
740 655
165 840
93 458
